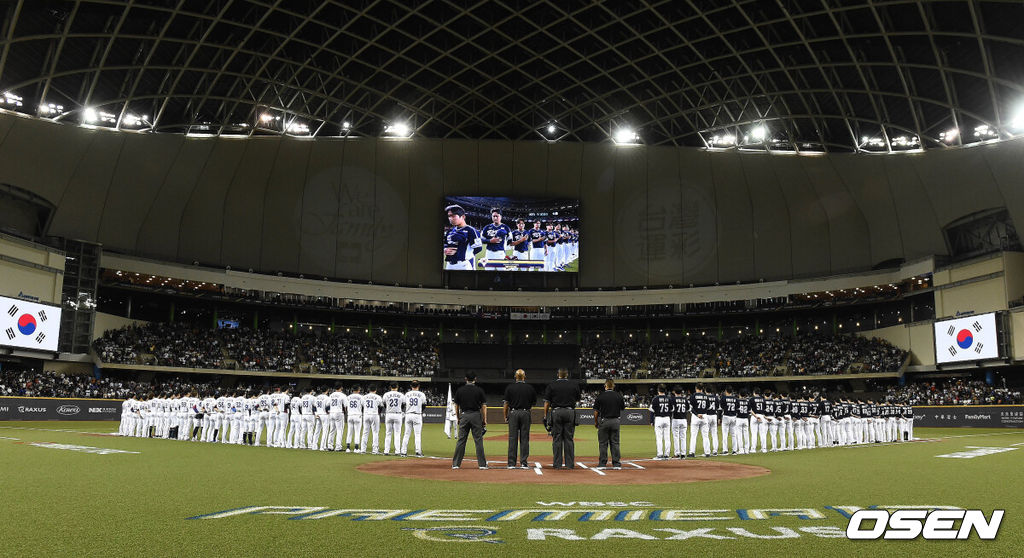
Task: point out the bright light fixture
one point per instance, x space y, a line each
295 127
759 133
723 140
399 129
950 135
625 135
552 129
346 125
90 115
1017 122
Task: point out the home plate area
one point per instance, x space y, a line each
633 471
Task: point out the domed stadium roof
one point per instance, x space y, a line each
829 75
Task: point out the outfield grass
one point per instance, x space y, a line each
61 502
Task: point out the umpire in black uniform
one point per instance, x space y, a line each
520 397
608 409
560 401
471 411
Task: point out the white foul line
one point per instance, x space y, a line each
634 464
594 470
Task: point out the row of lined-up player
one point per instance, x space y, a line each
775 422
303 420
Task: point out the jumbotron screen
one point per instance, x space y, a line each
511 234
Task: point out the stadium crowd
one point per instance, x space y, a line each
953 392
739 357
29 383
184 345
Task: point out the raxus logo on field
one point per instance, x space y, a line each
930 525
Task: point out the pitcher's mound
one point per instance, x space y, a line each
636 471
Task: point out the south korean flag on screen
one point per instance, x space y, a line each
970 338
29 325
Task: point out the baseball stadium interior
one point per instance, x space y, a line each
239 198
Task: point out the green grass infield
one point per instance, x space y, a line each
59 497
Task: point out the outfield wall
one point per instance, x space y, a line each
53 408
970 416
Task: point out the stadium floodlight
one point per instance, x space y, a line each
950 135
11 99
759 133
552 129
984 131
267 118
130 119
295 127
625 136
724 140
51 109
398 129
346 125
90 115
1017 122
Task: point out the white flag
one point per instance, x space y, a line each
29 325
449 413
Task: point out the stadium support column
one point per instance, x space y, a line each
295 324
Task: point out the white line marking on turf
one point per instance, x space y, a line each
634 464
6 438
594 470
537 468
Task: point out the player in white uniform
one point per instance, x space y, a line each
355 419
250 417
371 421
306 417
334 433
320 404
278 418
414 403
393 406
126 416
295 422
262 418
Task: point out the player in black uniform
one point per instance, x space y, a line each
729 422
700 407
743 423
520 241
461 241
494 236
661 418
680 406
758 426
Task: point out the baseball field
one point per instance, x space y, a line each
63 495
